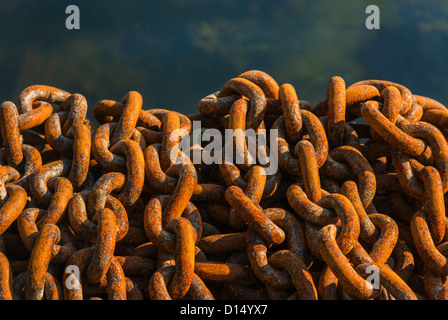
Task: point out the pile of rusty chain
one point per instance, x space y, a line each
99 208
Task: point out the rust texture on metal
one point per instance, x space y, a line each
101 208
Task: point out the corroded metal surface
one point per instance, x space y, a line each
102 208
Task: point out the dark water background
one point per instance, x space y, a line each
176 52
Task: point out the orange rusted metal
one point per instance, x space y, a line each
114 208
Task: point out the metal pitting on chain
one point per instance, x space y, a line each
101 208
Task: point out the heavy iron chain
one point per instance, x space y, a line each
98 209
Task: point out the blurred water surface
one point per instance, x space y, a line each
176 52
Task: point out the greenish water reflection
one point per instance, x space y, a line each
176 52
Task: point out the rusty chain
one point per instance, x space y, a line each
113 208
